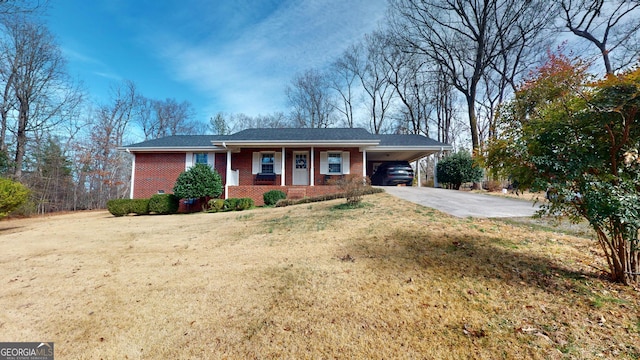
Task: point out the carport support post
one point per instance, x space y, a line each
364 163
418 172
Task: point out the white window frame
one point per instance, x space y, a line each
338 156
256 167
345 164
190 159
272 164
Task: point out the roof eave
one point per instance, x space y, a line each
169 148
289 143
411 148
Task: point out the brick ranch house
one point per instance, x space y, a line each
299 162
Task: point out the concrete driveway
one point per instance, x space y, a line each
463 203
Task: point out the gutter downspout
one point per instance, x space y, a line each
133 172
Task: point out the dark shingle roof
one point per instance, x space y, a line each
408 140
324 134
345 135
177 141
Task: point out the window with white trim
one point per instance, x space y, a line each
200 158
334 161
267 163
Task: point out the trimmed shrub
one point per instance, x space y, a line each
230 204
164 204
238 204
121 207
271 197
12 196
216 205
118 207
140 206
199 182
245 204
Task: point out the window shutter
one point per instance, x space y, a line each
346 164
277 163
211 160
324 162
256 166
188 162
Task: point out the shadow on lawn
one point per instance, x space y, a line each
482 257
9 229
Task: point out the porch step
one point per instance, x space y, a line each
296 193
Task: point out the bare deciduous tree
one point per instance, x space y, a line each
465 38
309 96
36 87
612 26
107 170
374 74
343 81
160 118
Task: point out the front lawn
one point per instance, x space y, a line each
388 280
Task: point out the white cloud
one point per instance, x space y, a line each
249 74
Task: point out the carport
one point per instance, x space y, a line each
411 148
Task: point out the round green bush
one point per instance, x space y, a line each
198 182
271 197
164 204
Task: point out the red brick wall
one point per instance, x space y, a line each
159 171
156 171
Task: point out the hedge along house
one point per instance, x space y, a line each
299 162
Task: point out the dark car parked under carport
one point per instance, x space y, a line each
391 173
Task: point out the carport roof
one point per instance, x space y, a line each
409 140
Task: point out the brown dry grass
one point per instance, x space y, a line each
390 280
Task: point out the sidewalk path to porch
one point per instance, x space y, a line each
463 203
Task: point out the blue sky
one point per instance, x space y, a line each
221 55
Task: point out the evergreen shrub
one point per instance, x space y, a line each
271 197
164 204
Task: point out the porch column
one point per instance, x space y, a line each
229 175
313 169
364 163
418 171
282 168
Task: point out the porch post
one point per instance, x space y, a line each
364 163
418 171
282 168
313 169
229 175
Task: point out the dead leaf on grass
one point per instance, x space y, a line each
467 330
347 258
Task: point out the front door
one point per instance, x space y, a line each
300 168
